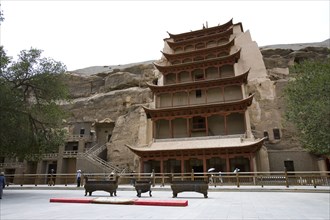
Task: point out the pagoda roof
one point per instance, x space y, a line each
218 61
204 31
200 109
226 34
234 80
172 56
224 143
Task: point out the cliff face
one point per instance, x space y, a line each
118 92
268 109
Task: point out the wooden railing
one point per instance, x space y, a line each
261 179
70 153
11 165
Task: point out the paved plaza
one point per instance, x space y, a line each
223 203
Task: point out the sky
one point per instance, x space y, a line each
102 33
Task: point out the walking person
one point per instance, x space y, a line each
2 183
78 178
220 177
51 181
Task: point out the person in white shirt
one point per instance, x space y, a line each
78 178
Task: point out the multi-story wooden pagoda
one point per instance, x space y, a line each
200 118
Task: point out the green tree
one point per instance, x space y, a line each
1 15
308 104
30 117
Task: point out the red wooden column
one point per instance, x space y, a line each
205 96
161 164
206 126
141 165
225 122
182 163
171 99
204 73
188 126
251 162
154 129
204 163
227 163
245 125
170 128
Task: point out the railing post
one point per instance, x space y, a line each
192 174
153 178
237 179
214 180
36 180
314 181
286 177
22 181
163 180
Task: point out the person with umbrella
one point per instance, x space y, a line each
211 176
220 177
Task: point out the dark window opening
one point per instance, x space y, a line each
199 76
198 93
199 123
266 136
276 132
289 165
82 132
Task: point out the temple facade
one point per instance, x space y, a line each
200 119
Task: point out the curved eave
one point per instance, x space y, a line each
235 80
231 59
205 30
172 56
240 25
220 35
199 145
187 111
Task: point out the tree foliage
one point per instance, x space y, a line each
1 15
30 118
308 104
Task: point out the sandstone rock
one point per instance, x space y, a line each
268 108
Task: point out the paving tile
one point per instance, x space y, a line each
33 203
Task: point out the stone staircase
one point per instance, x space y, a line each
91 155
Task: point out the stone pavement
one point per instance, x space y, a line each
30 202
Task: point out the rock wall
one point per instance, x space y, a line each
117 94
268 109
